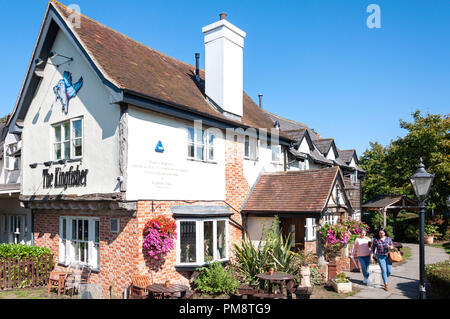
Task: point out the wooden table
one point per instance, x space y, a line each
163 290
56 278
276 279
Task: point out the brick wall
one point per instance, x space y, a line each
117 250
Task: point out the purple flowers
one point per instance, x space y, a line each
159 237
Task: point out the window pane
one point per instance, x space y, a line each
77 128
211 154
208 241
188 252
221 239
211 138
191 135
200 152
64 229
66 131
66 150
200 134
74 230
190 150
86 230
80 230
247 146
58 151
97 231
58 133
78 147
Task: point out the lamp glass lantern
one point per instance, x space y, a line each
421 181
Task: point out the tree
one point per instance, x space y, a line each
428 137
3 119
389 168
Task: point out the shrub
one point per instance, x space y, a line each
438 275
375 221
316 277
341 278
216 280
18 251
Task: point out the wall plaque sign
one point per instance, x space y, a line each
59 179
65 90
159 147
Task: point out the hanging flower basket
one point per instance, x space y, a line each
159 236
333 238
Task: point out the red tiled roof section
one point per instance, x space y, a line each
294 191
136 67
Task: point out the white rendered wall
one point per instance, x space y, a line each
304 146
352 163
256 228
169 175
100 128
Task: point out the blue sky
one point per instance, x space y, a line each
315 61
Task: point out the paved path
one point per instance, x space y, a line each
404 280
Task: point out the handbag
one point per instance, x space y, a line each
395 256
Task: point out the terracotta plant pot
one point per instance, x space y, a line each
167 284
332 270
271 271
429 239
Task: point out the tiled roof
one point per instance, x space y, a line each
323 144
293 191
381 201
288 125
346 155
135 67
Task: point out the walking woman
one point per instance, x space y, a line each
380 247
361 249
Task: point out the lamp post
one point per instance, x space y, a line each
421 182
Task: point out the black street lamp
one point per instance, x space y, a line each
421 182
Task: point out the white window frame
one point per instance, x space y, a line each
199 241
310 229
11 162
276 149
66 250
204 144
71 139
252 143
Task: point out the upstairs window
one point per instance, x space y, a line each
201 145
251 148
68 139
12 162
276 153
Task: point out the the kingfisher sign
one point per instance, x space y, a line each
72 177
65 90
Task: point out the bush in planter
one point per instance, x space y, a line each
317 278
216 280
341 278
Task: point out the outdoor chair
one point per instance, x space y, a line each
80 275
290 289
139 284
56 278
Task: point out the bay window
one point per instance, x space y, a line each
79 241
202 241
201 144
68 139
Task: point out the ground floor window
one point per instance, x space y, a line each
310 229
14 229
79 241
202 241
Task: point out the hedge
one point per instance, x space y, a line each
438 275
18 251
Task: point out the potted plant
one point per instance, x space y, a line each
429 232
341 284
333 239
303 260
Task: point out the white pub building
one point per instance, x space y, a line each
116 133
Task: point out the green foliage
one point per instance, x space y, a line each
4 119
11 251
389 168
438 275
375 221
316 277
341 278
216 280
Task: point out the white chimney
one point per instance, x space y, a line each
224 85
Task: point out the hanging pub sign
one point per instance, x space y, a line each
65 90
59 179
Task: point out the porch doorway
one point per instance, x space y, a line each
296 228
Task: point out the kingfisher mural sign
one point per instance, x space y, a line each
65 90
63 179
